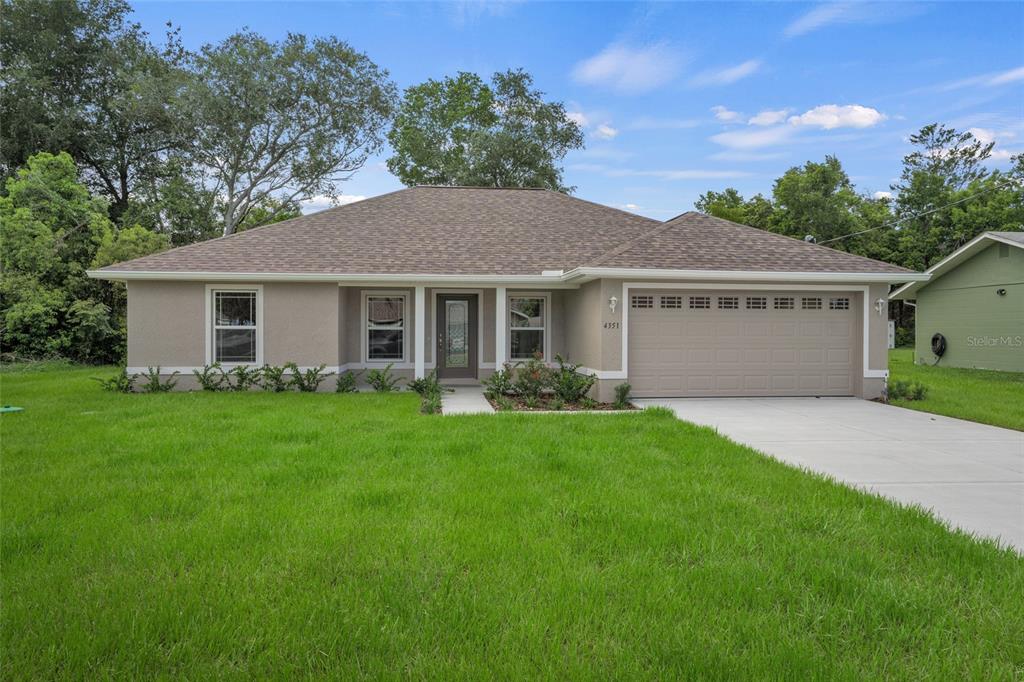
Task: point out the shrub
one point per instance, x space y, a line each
531 401
622 396
431 404
245 377
428 385
901 389
904 337
307 381
153 383
568 383
346 382
274 379
499 383
122 382
211 377
503 403
532 378
588 403
382 380
557 404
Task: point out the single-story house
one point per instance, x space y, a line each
462 280
970 313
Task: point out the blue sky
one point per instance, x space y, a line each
680 98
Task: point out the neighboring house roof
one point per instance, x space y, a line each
471 231
965 252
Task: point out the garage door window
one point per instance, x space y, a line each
672 302
812 303
842 303
642 302
700 302
784 302
728 302
757 303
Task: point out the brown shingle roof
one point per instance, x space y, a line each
483 231
694 241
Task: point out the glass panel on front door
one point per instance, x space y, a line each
456 316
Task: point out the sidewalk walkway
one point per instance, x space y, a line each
465 400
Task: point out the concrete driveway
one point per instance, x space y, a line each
969 474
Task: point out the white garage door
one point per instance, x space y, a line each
742 343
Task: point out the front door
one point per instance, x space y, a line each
456 336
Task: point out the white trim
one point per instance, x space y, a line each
964 253
209 326
419 313
366 361
500 313
864 290
743 275
547 323
602 373
479 323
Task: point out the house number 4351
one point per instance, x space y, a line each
611 325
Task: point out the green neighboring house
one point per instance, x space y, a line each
975 300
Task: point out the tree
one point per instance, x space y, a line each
52 229
816 199
79 77
730 205
462 131
286 120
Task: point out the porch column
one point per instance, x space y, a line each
500 313
420 333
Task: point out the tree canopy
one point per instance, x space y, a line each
463 131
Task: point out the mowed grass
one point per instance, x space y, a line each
293 535
978 395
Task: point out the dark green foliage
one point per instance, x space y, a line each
244 377
308 380
347 382
122 382
504 403
556 404
499 383
429 390
211 377
382 380
275 379
431 404
900 389
622 396
532 377
152 383
568 383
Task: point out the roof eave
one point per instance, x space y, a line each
908 292
548 278
585 274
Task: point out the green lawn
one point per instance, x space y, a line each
198 535
979 395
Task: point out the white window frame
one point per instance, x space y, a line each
210 308
546 329
365 327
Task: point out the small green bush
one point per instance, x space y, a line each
622 396
588 403
346 382
568 383
153 384
499 383
244 377
431 404
503 403
274 379
557 404
532 378
307 381
211 377
122 382
383 380
901 389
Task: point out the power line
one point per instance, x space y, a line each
921 214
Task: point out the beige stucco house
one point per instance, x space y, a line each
462 280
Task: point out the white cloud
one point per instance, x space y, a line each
685 174
989 80
651 123
882 195
1011 76
724 114
850 13
754 139
987 135
578 117
769 117
630 70
829 116
727 75
605 132
321 202
628 207
739 155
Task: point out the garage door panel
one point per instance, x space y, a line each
676 350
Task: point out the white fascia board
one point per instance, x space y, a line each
549 280
907 291
745 275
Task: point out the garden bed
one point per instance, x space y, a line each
553 404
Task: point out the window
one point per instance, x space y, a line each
673 302
700 302
385 328
728 302
757 303
643 301
810 303
784 302
527 324
234 327
839 303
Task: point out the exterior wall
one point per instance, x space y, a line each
300 324
982 329
166 324
582 316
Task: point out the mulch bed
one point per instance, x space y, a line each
544 405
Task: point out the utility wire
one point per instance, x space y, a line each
919 215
